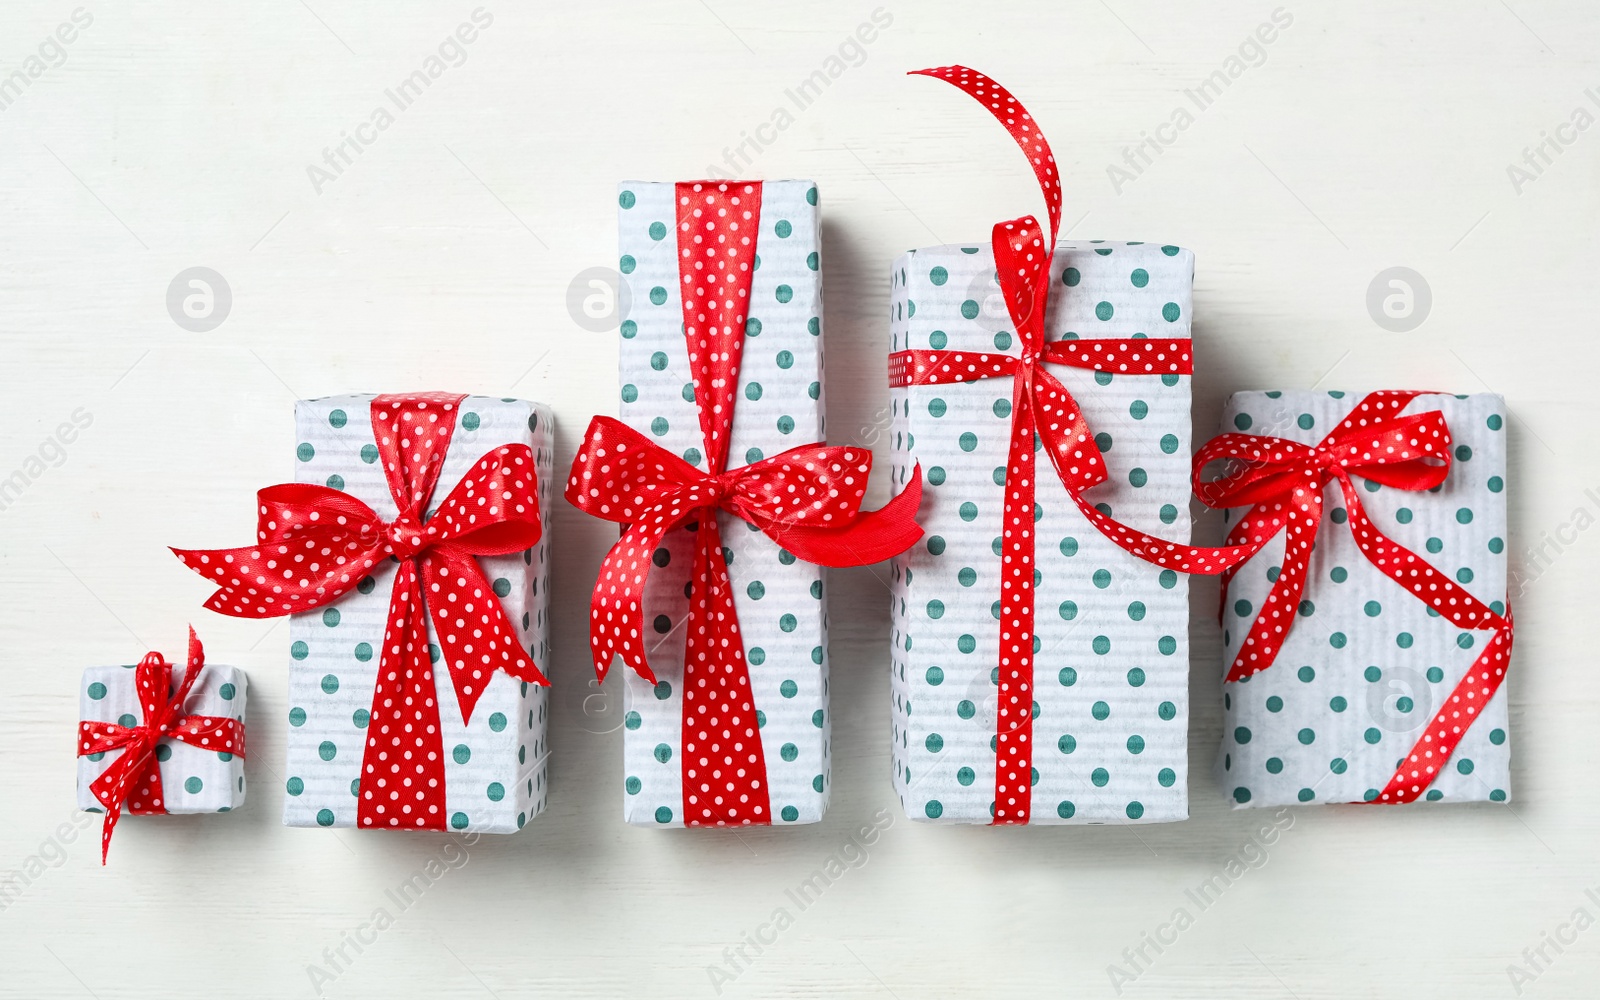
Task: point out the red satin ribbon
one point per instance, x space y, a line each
1041 405
807 499
134 778
316 544
1282 482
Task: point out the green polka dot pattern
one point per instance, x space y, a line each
334 666
193 779
779 599
1366 665
1111 656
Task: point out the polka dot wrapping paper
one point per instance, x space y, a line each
779 598
1110 700
1367 664
193 779
495 766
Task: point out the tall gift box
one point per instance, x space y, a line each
414 699
781 607
1019 384
730 504
1386 685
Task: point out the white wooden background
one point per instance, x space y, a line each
176 135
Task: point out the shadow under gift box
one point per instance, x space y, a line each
1110 728
779 599
1367 664
495 766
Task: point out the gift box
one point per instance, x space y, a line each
779 599
1094 729
194 779
410 556
156 739
1386 661
1112 667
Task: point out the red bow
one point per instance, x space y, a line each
807 499
315 544
1282 482
134 778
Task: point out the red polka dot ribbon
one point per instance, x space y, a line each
1282 483
316 544
1042 406
133 780
808 500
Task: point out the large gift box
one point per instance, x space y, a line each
154 738
414 699
1079 716
777 405
1386 685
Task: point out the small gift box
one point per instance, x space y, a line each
1040 667
729 502
1367 639
156 739
410 556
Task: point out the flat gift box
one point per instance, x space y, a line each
193 779
1366 665
1111 667
496 765
779 599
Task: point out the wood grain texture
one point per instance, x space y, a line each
175 135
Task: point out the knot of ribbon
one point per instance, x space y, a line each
133 780
1282 482
315 544
807 499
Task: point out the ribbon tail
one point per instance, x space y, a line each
872 537
724 765
110 794
402 783
1411 571
134 780
1446 729
1272 623
109 824
475 636
1064 432
616 607
1248 531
